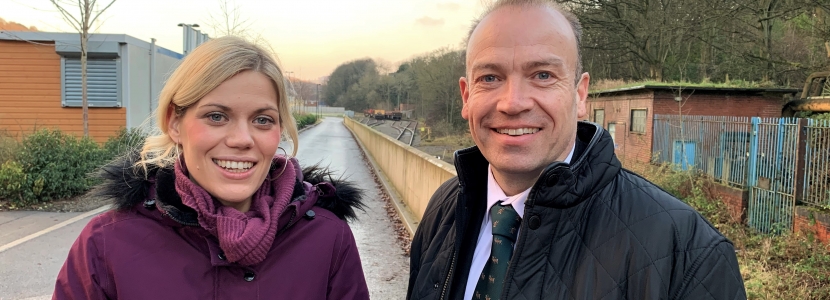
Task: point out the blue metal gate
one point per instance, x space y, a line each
772 166
684 155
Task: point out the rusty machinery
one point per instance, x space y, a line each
815 97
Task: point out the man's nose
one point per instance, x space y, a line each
515 97
239 136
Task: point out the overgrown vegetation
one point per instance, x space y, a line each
427 83
607 84
773 41
459 140
790 266
304 120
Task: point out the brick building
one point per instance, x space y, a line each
628 113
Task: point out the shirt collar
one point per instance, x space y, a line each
496 194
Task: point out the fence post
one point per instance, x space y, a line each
800 160
752 176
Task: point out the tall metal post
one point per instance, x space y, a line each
752 177
291 86
318 101
189 40
152 73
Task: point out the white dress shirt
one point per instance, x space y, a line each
485 235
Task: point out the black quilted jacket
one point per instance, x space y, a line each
591 230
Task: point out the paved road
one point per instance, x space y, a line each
28 269
386 267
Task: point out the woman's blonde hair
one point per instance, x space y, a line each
200 72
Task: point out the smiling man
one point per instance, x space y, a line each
541 207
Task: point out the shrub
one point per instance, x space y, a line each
12 180
304 120
8 147
57 164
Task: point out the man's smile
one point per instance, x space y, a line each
517 131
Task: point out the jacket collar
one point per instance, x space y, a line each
129 186
561 185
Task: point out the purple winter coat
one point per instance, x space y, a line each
151 247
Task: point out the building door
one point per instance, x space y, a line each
684 154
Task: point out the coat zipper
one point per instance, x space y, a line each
185 223
290 222
454 254
449 275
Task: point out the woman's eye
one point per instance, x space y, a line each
543 75
215 117
263 121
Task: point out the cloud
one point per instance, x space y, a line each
450 6
13 26
429 22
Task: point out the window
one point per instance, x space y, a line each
638 120
102 82
599 116
612 130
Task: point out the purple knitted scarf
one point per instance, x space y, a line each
244 237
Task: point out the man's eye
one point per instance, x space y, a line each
488 78
543 75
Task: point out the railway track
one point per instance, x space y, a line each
407 131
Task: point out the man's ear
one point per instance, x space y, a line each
582 95
465 96
173 122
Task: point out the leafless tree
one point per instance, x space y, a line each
229 20
81 15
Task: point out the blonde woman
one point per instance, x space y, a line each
209 209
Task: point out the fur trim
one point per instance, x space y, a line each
124 183
128 186
347 198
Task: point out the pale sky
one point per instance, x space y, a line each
310 37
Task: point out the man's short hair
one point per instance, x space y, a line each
575 25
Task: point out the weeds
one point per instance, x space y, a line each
789 266
8 147
458 141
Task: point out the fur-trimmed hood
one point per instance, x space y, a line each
129 186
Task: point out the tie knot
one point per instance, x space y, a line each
506 221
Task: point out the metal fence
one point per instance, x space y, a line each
326 110
817 163
781 161
772 171
715 145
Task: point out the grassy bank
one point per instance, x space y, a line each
792 266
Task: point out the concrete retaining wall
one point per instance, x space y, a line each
413 174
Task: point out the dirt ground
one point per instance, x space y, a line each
443 152
80 203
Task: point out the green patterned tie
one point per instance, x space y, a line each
505 228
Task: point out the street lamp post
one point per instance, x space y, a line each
318 101
291 85
188 37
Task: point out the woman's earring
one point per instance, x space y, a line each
284 153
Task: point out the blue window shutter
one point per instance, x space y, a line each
102 82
